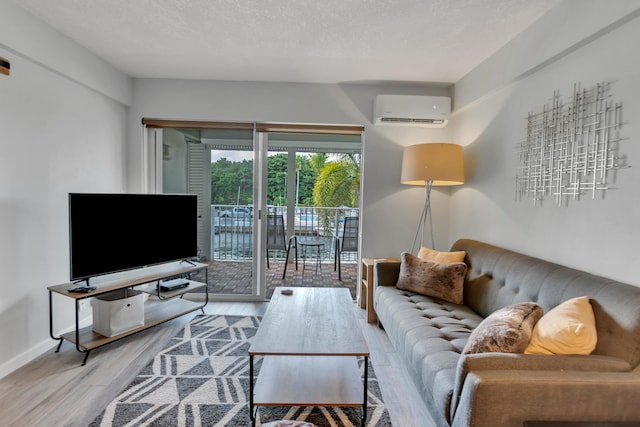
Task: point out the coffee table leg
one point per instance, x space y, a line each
366 388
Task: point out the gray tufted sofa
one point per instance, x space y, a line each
500 389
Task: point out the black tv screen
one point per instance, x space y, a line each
115 232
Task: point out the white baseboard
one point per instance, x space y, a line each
26 357
31 354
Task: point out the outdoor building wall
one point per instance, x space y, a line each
492 103
59 132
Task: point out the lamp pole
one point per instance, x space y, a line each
426 214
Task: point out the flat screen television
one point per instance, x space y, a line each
109 233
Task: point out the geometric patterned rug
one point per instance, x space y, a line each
201 378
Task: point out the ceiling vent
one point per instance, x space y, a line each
411 110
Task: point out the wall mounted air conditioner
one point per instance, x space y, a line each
411 110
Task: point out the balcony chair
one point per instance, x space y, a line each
277 240
348 242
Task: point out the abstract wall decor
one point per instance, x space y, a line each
571 148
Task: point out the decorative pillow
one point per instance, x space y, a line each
444 281
569 328
441 257
507 330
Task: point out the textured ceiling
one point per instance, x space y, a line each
324 41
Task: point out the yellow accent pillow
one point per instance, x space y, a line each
569 328
441 257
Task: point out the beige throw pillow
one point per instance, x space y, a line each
507 330
444 281
569 328
441 257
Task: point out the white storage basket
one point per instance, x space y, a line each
118 311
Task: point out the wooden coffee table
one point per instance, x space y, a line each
309 341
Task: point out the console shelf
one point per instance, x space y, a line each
159 307
163 295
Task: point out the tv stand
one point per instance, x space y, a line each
161 306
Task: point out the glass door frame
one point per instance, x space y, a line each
260 143
151 170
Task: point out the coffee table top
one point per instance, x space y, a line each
312 322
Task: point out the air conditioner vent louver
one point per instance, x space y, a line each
404 120
411 110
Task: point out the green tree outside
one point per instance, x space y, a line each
227 176
338 183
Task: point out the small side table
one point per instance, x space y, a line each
366 287
318 243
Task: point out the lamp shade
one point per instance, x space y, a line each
437 162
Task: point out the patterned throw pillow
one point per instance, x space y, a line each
507 330
444 281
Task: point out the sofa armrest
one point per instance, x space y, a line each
386 272
487 367
513 361
510 398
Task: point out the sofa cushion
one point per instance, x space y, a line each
444 281
569 328
441 257
507 330
429 334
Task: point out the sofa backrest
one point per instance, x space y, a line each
498 277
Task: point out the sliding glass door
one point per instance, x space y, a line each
233 217
312 182
246 173
219 168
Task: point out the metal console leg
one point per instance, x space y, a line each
366 388
86 356
51 323
80 349
252 410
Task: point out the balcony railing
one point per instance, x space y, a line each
232 230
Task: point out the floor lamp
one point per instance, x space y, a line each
435 164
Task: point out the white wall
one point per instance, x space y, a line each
584 42
59 133
391 210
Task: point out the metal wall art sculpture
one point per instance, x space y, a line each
571 148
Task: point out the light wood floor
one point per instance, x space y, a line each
54 390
